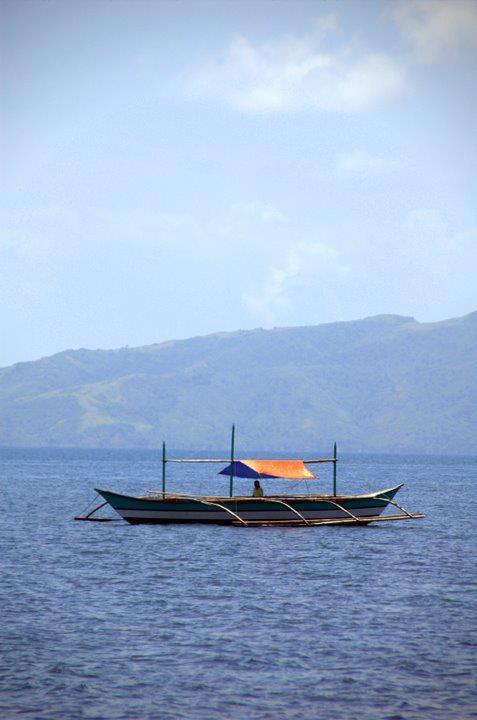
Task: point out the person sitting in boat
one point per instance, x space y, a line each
257 490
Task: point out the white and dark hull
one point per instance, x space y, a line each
247 510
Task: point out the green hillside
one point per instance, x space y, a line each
386 383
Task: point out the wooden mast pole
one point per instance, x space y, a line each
334 469
232 451
163 469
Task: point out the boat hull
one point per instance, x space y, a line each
227 511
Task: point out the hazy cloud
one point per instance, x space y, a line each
304 262
360 162
294 73
434 28
258 210
297 73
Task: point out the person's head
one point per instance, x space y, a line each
257 483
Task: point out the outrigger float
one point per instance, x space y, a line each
160 506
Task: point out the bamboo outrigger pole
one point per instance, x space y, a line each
200 460
315 461
232 450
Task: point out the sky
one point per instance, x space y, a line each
171 169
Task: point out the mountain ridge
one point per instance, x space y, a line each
230 333
384 383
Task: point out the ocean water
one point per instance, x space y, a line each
111 621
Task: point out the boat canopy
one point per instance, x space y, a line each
254 469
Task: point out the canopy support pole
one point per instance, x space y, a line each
232 452
163 469
334 469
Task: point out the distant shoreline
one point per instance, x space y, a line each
156 453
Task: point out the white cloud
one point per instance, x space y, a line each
294 74
298 73
302 265
434 28
360 162
263 211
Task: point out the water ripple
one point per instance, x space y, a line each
113 622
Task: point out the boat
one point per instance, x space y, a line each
161 506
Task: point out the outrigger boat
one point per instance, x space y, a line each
160 506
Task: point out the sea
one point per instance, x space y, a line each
108 621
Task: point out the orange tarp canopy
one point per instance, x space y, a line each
292 469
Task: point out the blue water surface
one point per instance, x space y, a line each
112 621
